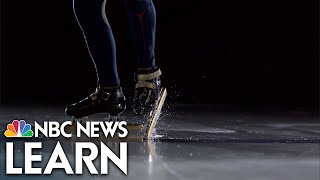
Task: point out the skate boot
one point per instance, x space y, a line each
102 101
147 88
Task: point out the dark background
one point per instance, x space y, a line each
243 53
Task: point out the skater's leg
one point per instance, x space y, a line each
108 97
92 19
142 23
142 26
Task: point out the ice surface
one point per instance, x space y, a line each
198 145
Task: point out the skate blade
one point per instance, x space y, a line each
97 117
155 114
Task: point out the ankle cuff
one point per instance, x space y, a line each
149 76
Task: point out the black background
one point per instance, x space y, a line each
244 53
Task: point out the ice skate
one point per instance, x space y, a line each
147 89
149 98
111 102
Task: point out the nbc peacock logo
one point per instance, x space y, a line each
18 129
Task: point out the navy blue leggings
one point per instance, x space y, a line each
96 29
